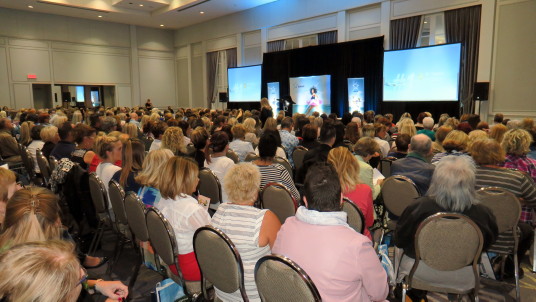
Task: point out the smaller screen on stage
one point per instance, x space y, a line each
422 74
245 83
273 95
356 94
311 94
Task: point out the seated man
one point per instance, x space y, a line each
9 148
65 147
341 262
416 165
402 145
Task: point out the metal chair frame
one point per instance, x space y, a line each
102 212
220 195
44 166
360 229
279 186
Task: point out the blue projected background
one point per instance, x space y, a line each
422 74
244 84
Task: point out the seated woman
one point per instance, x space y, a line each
365 149
110 150
452 190
359 193
280 151
252 230
50 136
199 140
8 187
455 143
132 159
36 143
341 262
33 215
217 160
148 177
310 136
239 145
251 131
84 137
178 180
173 139
270 171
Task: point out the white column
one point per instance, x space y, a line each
342 32
385 22
134 68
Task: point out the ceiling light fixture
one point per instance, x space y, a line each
141 5
29 6
425 22
100 16
202 13
161 25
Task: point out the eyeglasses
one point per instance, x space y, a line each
84 278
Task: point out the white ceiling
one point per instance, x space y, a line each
173 14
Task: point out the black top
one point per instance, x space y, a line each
265 114
425 207
314 155
78 157
309 144
397 154
199 157
131 184
63 149
47 149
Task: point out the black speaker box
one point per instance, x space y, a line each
222 96
481 91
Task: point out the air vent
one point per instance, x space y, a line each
73 6
193 5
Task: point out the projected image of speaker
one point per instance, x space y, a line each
422 74
311 94
356 94
222 97
245 83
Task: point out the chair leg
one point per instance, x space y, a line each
135 273
117 252
96 239
516 273
404 291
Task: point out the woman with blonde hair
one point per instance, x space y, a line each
474 136
132 161
77 118
270 123
178 180
109 150
25 138
266 110
173 139
455 143
58 119
149 175
516 144
131 129
360 194
406 126
50 136
239 144
252 230
497 132
8 187
251 136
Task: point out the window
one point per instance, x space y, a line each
300 42
432 30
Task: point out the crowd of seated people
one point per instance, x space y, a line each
158 155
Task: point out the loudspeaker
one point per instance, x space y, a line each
223 97
481 91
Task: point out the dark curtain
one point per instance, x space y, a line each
362 58
329 37
463 25
278 45
231 57
404 33
212 63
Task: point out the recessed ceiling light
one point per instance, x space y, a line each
425 22
100 16
161 25
29 6
202 13
141 4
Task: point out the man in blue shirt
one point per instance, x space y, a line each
288 140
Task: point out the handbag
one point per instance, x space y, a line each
169 291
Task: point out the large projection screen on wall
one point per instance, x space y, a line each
422 74
311 94
245 83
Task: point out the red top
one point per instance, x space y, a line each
95 161
361 196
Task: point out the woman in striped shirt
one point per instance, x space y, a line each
253 231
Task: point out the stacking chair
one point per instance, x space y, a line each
43 167
162 238
447 242
210 186
356 219
280 279
507 209
297 156
135 214
278 199
117 200
398 192
28 163
232 155
219 261
99 198
385 165
285 164
53 162
251 156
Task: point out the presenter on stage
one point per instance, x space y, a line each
313 102
266 110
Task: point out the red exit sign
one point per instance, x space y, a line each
32 76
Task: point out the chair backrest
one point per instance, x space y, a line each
43 165
161 236
448 242
135 212
53 162
356 220
148 142
209 185
298 155
98 193
398 192
504 205
251 156
219 260
27 161
117 200
280 279
278 199
285 164
385 165
232 155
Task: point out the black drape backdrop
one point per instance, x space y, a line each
363 58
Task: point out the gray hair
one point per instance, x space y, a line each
428 122
453 183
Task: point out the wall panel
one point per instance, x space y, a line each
23 95
124 96
5 98
157 81
90 68
197 82
183 83
29 61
